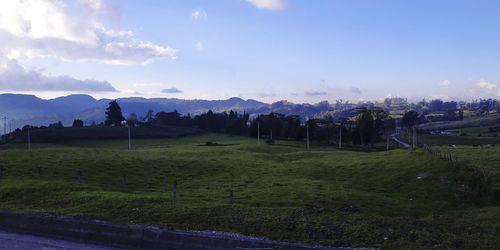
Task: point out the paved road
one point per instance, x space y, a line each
13 241
404 144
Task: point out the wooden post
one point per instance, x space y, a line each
231 197
414 138
80 176
124 183
39 171
307 130
174 190
340 136
129 142
29 139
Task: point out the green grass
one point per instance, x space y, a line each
485 157
439 140
284 192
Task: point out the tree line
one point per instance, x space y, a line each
366 127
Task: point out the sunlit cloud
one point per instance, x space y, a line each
268 4
199 14
445 83
75 32
486 85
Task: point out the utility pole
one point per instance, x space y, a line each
129 142
340 136
4 125
307 127
387 146
258 131
414 138
271 134
29 138
409 136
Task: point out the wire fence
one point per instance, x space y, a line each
447 156
480 185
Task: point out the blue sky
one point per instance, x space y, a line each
302 51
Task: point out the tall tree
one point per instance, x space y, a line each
410 118
114 114
77 123
365 127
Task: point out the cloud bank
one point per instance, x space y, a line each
71 30
14 77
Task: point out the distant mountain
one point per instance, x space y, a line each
29 109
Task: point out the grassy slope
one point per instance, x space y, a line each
283 192
103 133
486 156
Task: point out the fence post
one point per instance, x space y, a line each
174 190
39 171
231 197
123 185
80 176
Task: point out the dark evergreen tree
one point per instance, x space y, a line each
77 123
114 116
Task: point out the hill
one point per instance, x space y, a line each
29 109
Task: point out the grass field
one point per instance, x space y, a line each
488 157
440 140
388 199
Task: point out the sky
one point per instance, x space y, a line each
269 50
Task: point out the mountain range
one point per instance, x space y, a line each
22 109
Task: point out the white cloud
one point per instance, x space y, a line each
445 83
486 85
14 77
199 46
441 97
268 4
71 30
355 90
316 93
199 14
94 4
132 92
172 90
